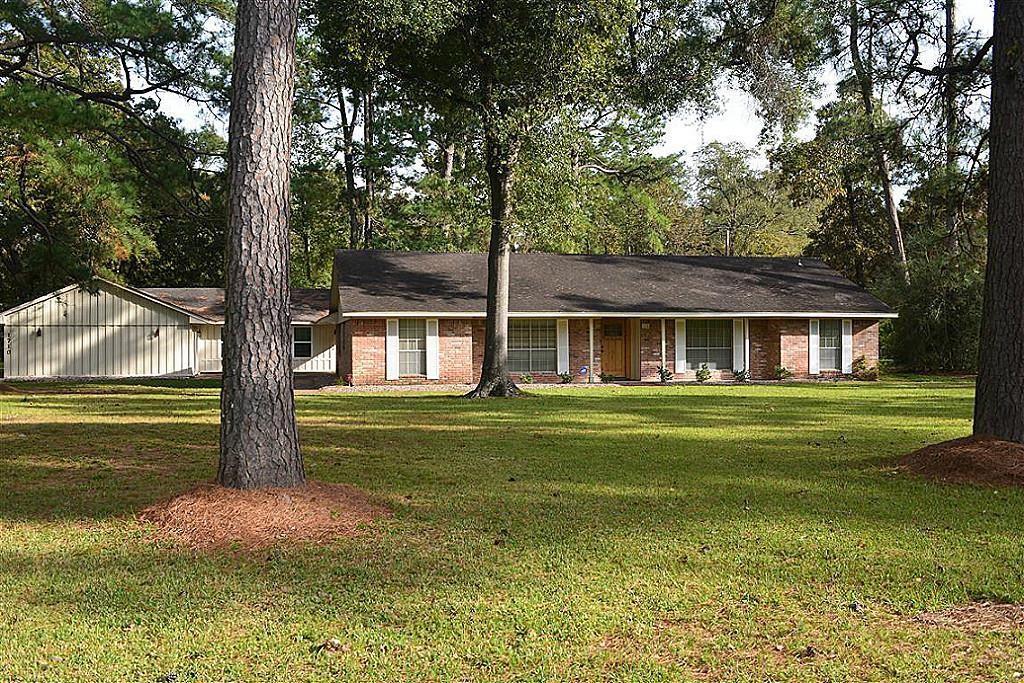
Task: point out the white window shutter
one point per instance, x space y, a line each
433 351
847 346
680 345
813 348
563 345
391 351
739 345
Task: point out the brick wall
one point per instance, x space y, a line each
365 352
650 347
765 352
865 341
773 342
366 339
793 339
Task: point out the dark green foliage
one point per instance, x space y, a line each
940 316
703 373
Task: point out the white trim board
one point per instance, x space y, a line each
667 314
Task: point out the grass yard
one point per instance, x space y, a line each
724 533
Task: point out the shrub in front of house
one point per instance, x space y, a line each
526 378
566 377
782 372
703 373
606 377
864 371
741 376
664 375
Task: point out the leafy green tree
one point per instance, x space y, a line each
748 212
95 179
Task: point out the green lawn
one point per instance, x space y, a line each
735 533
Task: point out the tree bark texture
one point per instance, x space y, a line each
500 159
999 399
867 92
259 445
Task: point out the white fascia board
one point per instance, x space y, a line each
598 314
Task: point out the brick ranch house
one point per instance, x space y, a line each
413 317
410 317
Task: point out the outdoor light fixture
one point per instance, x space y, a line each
156 332
39 332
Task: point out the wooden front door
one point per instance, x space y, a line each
613 347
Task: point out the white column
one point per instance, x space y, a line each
662 342
590 362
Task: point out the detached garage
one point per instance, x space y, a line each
109 330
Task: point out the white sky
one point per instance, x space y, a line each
734 121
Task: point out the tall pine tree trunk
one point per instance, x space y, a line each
369 163
999 400
348 126
259 444
867 92
949 93
500 158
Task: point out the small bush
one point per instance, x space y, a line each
741 375
566 377
526 378
606 377
864 371
347 380
664 375
782 372
703 373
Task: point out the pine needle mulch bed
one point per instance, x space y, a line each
971 460
212 516
978 617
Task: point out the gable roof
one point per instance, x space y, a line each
393 282
308 305
103 282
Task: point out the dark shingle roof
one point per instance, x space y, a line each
308 305
392 281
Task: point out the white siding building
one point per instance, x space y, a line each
108 330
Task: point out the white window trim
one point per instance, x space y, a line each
731 348
297 341
556 349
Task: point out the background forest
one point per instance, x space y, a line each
873 154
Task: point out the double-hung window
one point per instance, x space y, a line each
830 341
412 347
532 345
302 342
709 341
